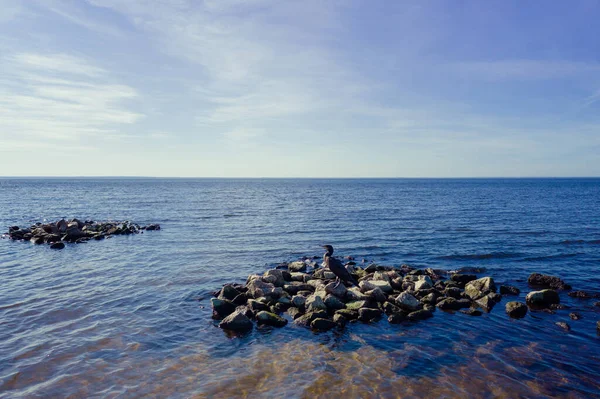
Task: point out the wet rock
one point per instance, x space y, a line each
397 318
228 292
583 295
543 298
563 325
509 290
479 288
598 326
574 316
38 240
61 226
274 277
453 292
321 324
389 308
422 285
298 301
408 302
420 315
258 288
372 268
487 302
558 306
270 319
237 321
429 299
241 299
597 304
463 279
257 306
57 245
296 287
471 269
222 308
472 312
349 314
301 277
382 276
324 274
546 281
297 267
339 290
340 320
333 303
294 313
355 305
367 315
516 309
376 295
315 302
449 304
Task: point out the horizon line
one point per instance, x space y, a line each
297 178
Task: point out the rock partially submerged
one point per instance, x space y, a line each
310 296
74 231
546 281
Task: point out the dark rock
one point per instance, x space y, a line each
597 304
516 310
479 288
542 299
61 225
367 315
563 325
241 299
463 278
487 302
333 303
389 308
453 292
509 290
308 318
583 295
257 306
408 302
294 313
470 269
38 240
430 299
340 320
99 237
229 293
270 319
320 324
237 321
13 228
420 315
222 308
558 306
372 268
348 313
546 281
472 312
449 304
279 308
57 245
397 318
574 316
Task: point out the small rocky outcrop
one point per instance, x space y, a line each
74 231
547 281
237 321
479 288
270 319
509 290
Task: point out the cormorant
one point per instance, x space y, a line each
337 267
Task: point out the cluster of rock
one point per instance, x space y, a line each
74 231
312 298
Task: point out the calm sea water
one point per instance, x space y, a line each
130 316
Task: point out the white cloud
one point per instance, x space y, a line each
51 97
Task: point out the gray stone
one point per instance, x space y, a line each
275 277
349 314
574 316
297 267
377 295
355 305
407 302
509 290
472 312
333 303
449 304
396 318
487 302
315 302
479 288
546 281
321 324
367 314
298 301
563 325
228 292
339 291
420 315
222 308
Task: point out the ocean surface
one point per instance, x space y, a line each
130 316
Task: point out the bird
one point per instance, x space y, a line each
337 267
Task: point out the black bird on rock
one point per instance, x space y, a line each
337 267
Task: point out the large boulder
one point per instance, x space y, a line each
542 299
322 324
270 319
275 277
407 302
339 290
367 315
237 321
298 301
333 303
314 303
449 304
546 281
228 292
479 288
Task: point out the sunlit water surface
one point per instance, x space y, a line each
130 316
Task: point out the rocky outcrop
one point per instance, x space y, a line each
74 231
542 299
237 321
516 310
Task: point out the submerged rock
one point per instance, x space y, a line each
57 245
321 324
509 290
420 315
367 315
546 281
563 325
516 310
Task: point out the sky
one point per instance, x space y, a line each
311 88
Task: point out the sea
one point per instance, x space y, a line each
130 316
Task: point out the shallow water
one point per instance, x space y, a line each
130 316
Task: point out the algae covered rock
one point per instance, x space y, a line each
270 319
237 321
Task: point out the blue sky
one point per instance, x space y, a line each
266 88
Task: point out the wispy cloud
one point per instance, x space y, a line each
60 97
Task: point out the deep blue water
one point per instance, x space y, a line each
130 316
